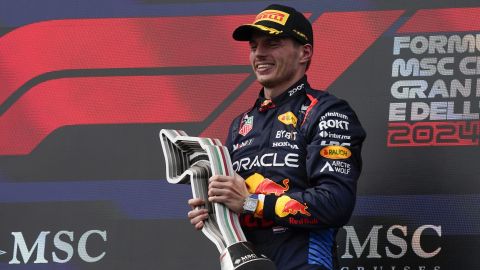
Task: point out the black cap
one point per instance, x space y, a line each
278 20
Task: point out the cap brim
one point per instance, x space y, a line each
244 32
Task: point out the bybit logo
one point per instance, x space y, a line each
64 241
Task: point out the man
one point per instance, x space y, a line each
296 151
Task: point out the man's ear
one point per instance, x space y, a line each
306 53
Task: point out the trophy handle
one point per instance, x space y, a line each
199 183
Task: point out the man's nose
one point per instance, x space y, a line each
261 50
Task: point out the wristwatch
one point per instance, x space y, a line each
250 204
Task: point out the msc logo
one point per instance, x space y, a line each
272 15
396 236
63 241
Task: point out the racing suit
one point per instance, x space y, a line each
301 150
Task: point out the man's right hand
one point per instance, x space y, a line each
197 215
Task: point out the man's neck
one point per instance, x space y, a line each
277 90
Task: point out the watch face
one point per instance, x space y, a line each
250 205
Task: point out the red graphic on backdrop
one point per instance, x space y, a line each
41 48
443 20
339 44
107 100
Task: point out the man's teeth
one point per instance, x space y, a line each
264 66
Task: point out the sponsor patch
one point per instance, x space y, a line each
333 123
289 135
242 144
303 110
325 134
335 152
284 144
337 166
331 142
257 184
267 160
279 229
300 34
272 15
296 89
247 125
287 206
334 114
328 167
288 118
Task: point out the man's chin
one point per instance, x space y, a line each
266 82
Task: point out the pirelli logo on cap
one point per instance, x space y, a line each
273 16
335 152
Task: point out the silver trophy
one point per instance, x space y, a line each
193 160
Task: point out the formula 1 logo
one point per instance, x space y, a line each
103 75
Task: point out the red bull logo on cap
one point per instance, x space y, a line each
272 15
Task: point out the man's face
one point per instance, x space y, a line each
275 60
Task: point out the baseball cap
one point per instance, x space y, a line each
278 20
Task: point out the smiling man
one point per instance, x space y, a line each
296 151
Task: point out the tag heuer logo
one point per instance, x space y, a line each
247 125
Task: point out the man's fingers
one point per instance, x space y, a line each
197 217
199 225
197 212
220 185
218 199
221 178
195 202
219 192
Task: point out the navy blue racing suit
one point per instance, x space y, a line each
302 150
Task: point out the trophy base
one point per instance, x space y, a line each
241 256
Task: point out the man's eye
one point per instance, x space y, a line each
274 44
